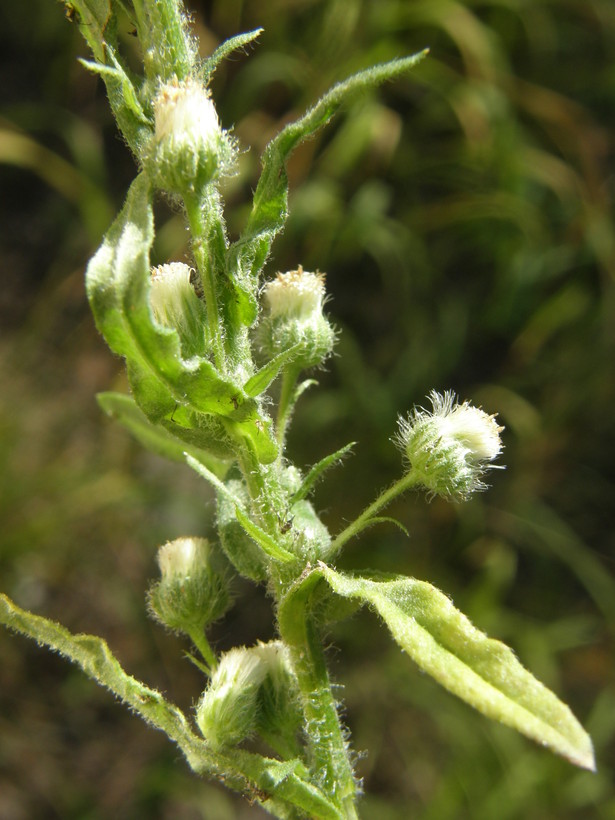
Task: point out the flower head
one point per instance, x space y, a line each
450 448
296 294
188 148
193 587
227 711
184 113
175 304
182 558
294 317
252 689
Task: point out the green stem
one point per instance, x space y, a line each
205 264
406 482
199 639
257 484
329 754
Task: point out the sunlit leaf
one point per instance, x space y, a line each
482 671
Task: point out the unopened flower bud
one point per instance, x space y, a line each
280 713
188 149
450 448
193 589
294 315
251 690
227 711
175 304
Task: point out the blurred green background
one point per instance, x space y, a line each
464 217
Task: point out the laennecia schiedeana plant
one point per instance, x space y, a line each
210 349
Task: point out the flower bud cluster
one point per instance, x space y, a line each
450 448
294 316
188 149
193 588
175 304
251 690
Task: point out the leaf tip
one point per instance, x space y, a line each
584 757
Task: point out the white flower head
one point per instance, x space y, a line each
296 294
170 286
227 711
176 305
193 589
185 113
183 558
294 318
188 148
451 447
238 668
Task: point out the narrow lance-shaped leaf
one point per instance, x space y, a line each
482 671
263 539
259 536
93 655
261 380
226 48
318 470
124 101
288 782
270 204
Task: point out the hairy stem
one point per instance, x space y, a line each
207 271
329 753
406 482
199 639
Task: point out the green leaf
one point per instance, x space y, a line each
157 439
270 203
263 539
318 470
93 655
117 283
124 101
289 781
482 671
93 18
261 380
240 41
203 433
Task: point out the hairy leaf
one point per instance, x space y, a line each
270 203
124 101
263 539
287 782
290 781
240 41
482 671
93 18
93 655
318 470
261 380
